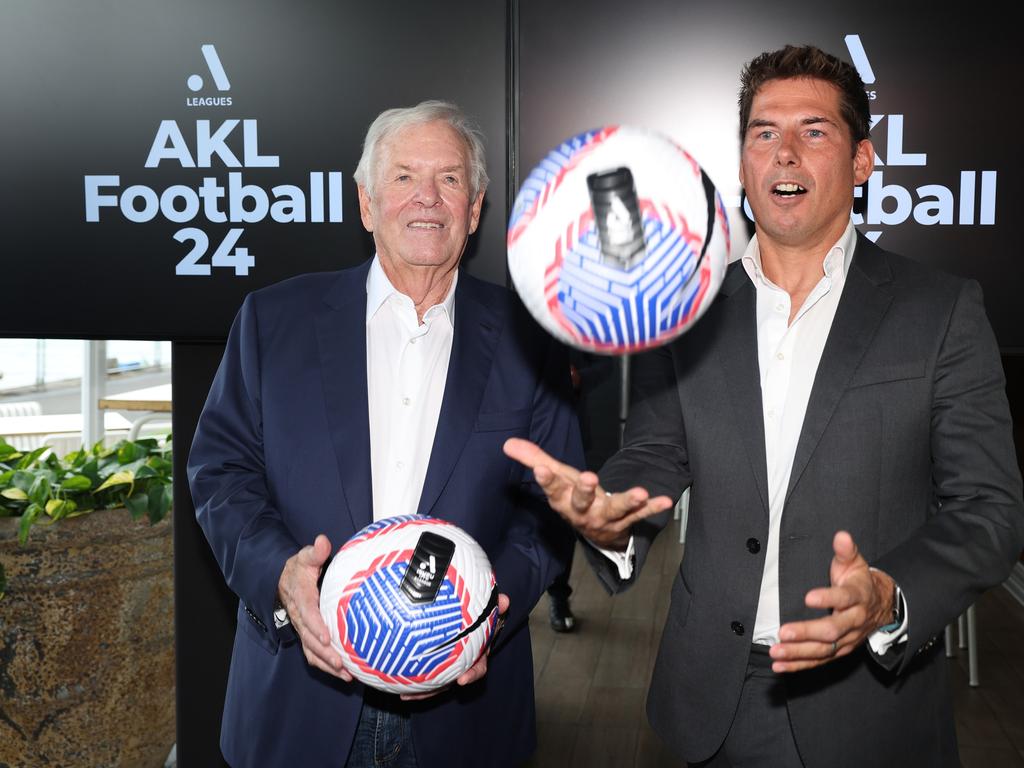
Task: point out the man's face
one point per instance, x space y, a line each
421 212
797 166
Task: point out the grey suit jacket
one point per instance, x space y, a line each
906 444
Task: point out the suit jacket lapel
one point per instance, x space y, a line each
863 304
476 334
738 359
341 338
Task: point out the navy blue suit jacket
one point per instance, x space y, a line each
282 453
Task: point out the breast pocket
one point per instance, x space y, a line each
871 375
503 421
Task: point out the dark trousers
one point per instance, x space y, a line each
383 736
560 589
760 734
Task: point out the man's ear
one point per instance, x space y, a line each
365 209
863 161
474 212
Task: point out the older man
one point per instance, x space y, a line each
381 390
840 417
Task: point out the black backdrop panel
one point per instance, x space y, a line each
940 102
105 89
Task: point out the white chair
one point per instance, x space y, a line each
967 630
23 408
64 443
154 424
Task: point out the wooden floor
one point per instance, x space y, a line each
591 684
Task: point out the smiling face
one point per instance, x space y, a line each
798 165
421 213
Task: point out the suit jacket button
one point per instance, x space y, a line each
737 628
753 545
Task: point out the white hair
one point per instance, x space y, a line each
391 121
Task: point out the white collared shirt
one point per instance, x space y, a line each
788 355
406 371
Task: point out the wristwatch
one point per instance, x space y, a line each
280 616
899 610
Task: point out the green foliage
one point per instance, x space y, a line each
40 487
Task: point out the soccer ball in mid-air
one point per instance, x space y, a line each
618 240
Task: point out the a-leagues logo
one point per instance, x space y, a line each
858 56
958 200
195 83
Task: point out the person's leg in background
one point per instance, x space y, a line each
559 612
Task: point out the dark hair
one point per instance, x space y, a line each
810 62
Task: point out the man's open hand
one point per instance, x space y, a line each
602 518
860 600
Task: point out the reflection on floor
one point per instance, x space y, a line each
592 684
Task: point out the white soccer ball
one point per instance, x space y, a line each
618 241
411 603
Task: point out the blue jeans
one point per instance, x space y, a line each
383 740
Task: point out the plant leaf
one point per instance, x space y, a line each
138 504
22 479
76 483
32 511
159 503
91 470
29 459
129 452
15 494
58 509
39 493
117 478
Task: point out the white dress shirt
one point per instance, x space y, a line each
406 371
788 355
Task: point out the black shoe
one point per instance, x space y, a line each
560 615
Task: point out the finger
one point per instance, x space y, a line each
628 515
554 482
322 656
638 499
836 598
322 548
503 603
584 492
812 650
474 673
528 454
314 555
844 547
823 630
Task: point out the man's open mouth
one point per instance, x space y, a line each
788 189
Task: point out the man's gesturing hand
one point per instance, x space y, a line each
860 600
602 518
296 589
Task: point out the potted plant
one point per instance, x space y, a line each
86 605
